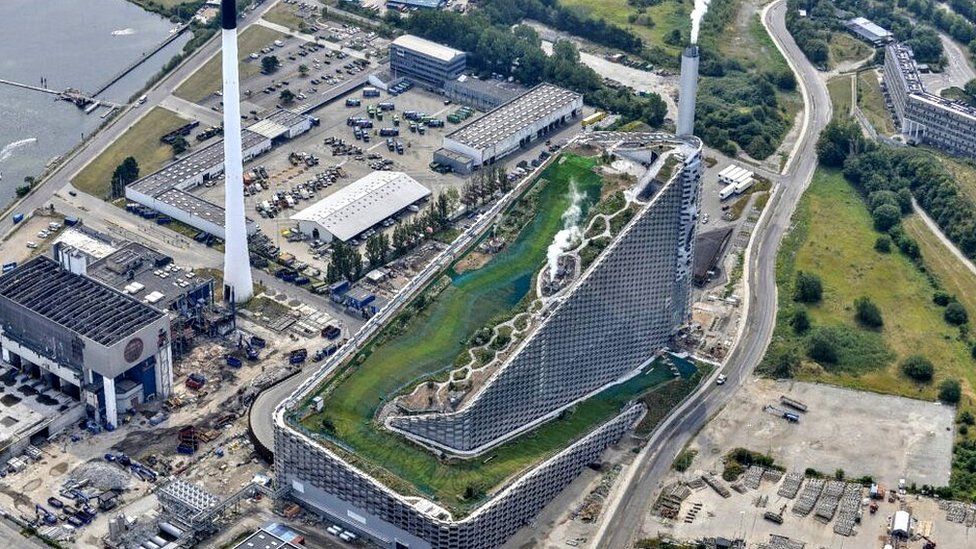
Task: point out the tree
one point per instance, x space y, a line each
883 244
673 38
442 209
808 288
950 391
840 139
966 418
867 313
918 368
782 360
800 320
269 64
955 314
287 96
377 248
303 69
942 299
401 239
885 217
125 173
180 145
823 346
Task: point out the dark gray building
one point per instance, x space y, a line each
83 338
427 63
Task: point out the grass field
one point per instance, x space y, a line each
666 16
952 274
285 15
844 48
141 141
206 80
840 95
430 340
872 104
833 237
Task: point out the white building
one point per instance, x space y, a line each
526 118
368 201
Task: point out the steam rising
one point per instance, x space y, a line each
570 232
697 13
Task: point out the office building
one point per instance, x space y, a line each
869 31
924 117
427 63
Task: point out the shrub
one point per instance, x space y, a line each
808 288
950 391
918 368
886 216
956 314
684 460
823 347
883 244
800 320
867 313
942 298
966 418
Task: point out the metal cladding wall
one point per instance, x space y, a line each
324 482
687 91
627 307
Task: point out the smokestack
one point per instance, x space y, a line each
237 269
687 91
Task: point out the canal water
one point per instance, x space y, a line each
71 43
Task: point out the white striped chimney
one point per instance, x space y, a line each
688 89
238 286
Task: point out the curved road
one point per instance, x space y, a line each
624 516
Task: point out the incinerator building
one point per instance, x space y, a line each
623 309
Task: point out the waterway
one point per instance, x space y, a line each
71 43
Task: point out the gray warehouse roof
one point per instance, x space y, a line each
426 47
76 302
508 119
364 203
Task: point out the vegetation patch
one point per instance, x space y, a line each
871 101
739 459
140 141
206 80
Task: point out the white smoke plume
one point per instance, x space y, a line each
697 13
570 232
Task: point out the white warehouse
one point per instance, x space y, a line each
526 118
365 203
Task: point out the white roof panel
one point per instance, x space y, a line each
426 47
366 202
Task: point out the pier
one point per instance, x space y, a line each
80 99
132 66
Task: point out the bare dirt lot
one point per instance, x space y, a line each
862 433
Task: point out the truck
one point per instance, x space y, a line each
593 118
353 102
370 91
298 356
742 186
389 132
18 217
233 361
195 381
7 267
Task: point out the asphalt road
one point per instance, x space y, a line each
106 136
625 514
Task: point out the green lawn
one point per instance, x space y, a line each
952 274
140 141
844 48
840 95
206 80
833 237
666 16
871 101
284 15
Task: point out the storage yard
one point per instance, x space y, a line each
809 427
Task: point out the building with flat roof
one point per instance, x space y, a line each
83 339
924 117
359 206
483 95
427 63
869 31
526 118
167 190
272 536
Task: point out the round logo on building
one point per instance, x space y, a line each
133 350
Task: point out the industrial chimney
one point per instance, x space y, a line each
237 269
687 91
